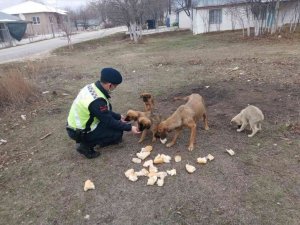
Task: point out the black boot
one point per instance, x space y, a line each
87 151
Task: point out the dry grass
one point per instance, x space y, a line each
15 89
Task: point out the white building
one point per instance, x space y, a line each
222 15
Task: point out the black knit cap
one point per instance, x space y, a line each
110 75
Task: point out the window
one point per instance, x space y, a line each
36 20
215 16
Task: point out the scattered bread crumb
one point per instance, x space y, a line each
153 169
160 182
148 148
210 157
136 160
171 172
202 160
162 158
177 158
148 163
163 141
133 177
142 172
190 168
166 158
152 180
129 172
142 155
88 185
230 152
158 159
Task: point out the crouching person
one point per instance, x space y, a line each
91 120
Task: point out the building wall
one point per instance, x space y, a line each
184 22
173 18
49 23
234 18
229 21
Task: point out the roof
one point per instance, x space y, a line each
32 7
6 18
210 3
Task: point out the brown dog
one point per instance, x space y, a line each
146 121
185 116
148 101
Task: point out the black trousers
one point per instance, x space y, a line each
101 136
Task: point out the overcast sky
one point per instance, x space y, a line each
73 4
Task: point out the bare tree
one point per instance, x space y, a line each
129 13
187 6
156 10
266 16
101 9
132 13
67 29
295 20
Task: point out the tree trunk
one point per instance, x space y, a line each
130 33
133 28
276 17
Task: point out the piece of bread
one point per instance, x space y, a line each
190 168
88 185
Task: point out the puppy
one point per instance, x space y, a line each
250 115
185 116
145 121
133 115
148 101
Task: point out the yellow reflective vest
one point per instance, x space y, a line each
79 113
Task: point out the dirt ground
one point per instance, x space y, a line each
42 181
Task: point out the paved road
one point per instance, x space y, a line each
38 49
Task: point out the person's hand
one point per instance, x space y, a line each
123 119
135 130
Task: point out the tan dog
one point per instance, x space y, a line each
148 101
145 120
250 115
185 116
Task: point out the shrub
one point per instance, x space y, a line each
175 24
15 90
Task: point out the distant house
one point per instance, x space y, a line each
45 19
11 28
222 15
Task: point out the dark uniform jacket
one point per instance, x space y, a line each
98 108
